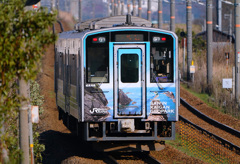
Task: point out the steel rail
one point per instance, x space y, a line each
110 157
210 120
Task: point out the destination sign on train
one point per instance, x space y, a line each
129 37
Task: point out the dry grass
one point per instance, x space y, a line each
223 98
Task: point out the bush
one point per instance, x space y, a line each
37 100
23 36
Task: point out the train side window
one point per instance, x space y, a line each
73 71
129 68
97 65
161 64
60 65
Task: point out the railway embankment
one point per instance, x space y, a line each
206 132
209 111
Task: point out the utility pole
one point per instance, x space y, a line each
23 122
115 8
209 43
52 4
119 7
112 8
189 38
229 17
129 7
80 11
172 15
30 134
140 8
149 11
134 8
160 20
58 9
230 30
184 54
237 47
108 8
122 9
219 13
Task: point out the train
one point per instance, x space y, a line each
117 83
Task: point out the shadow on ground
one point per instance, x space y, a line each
60 146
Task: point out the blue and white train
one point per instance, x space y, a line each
116 83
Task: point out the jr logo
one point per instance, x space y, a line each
99 111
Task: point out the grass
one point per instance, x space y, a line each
177 144
202 96
196 151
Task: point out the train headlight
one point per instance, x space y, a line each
102 39
156 39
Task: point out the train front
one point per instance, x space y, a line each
130 85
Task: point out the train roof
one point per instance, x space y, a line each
99 23
128 21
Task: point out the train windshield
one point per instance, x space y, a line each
161 59
161 65
97 59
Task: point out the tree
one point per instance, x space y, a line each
23 36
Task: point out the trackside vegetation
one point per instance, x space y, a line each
23 37
219 97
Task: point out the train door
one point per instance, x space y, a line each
129 81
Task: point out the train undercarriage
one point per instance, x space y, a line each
110 136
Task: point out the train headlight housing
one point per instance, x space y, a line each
99 40
158 39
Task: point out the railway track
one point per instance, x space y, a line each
137 157
226 135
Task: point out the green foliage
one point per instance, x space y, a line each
198 44
37 100
38 148
23 36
